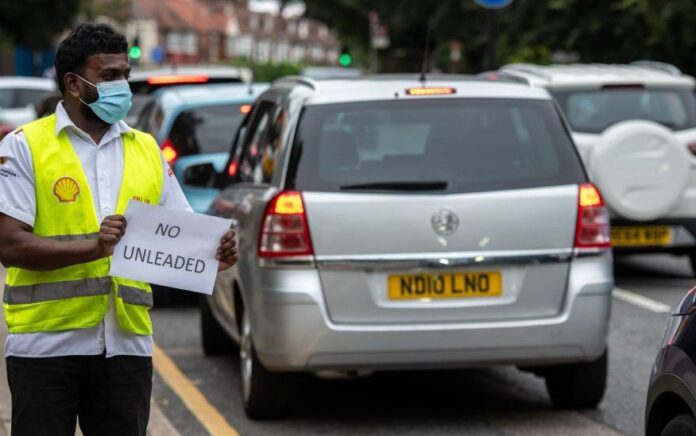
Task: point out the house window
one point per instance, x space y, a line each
292 27
182 42
303 29
298 53
268 24
213 52
280 54
317 53
254 22
263 52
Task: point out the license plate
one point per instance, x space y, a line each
446 285
641 236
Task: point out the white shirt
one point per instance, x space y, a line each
103 165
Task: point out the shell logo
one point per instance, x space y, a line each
66 189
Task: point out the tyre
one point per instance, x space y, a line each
682 425
578 385
265 394
214 338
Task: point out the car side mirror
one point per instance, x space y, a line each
202 175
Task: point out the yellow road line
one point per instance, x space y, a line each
193 399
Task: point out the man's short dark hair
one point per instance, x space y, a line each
85 40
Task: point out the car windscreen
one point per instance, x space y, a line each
437 145
19 98
206 129
592 111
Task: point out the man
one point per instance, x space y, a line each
80 342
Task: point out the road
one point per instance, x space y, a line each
498 401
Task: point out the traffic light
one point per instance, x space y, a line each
135 52
345 59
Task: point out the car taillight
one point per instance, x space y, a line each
285 231
232 169
592 229
692 148
169 151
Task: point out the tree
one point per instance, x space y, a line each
528 30
36 23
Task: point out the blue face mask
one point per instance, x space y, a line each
114 100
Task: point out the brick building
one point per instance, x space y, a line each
205 31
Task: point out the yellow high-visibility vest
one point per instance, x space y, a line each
77 296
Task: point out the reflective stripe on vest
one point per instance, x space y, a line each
56 291
78 296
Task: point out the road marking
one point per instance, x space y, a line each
641 301
188 393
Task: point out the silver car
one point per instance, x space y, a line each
388 223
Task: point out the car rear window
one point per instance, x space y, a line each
207 129
444 145
594 111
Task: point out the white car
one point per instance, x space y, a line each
19 97
635 128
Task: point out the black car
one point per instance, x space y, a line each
671 404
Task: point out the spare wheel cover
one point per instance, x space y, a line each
641 169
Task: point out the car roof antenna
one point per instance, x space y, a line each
426 53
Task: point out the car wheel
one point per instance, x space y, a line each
578 385
265 394
680 426
214 337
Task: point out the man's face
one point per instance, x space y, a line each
98 68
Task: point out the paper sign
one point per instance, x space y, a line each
169 247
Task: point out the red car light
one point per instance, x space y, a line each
176 79
285 231
592 229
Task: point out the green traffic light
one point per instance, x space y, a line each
135 52
345 60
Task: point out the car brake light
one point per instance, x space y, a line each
430 90
285 231
177 79
692 148
169 151
232 168
592 229
245 108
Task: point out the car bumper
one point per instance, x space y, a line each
292 330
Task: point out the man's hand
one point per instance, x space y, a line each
227 251
112 230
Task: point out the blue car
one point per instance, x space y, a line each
197 124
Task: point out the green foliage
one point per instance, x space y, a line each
36 23
268 72
528 30
536 54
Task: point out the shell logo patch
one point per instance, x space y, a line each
3 160
66 189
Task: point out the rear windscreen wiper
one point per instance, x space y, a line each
399 186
